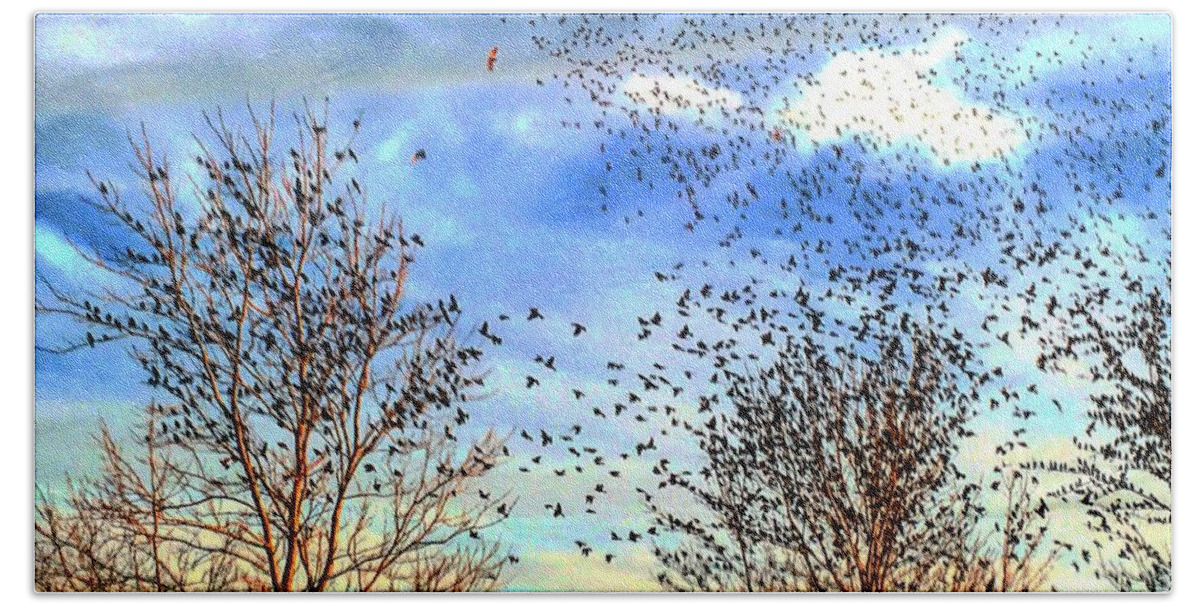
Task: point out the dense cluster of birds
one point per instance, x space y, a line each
843 242
837 236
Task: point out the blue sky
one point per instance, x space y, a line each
508 199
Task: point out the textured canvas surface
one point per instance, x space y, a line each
609 302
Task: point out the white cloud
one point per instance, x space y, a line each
674 95
55 250
97 42
888 96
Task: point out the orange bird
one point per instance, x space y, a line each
491 58
777 135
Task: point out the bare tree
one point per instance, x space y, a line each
839 475
307 435
1123 477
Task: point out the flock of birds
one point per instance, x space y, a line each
831 234
840 244
834 235
843 243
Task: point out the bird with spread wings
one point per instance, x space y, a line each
491 58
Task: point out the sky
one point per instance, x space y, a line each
508 199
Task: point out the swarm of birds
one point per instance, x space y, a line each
849 181
991 209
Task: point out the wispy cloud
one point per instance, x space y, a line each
56 251
569 571
89 62
674 95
